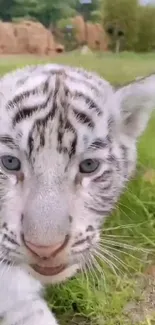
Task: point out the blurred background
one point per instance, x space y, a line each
45 27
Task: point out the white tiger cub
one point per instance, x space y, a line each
67 148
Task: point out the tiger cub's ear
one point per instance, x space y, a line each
136 101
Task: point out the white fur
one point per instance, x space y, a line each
49 194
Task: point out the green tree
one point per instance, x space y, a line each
49 11
96 16
6 9
122 16
52 11
146 34
90 11
24 8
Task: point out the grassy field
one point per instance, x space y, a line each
122 295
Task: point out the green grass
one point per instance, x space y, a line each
96 300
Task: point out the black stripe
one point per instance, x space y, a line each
103 180
60 129
83 118
43 121
89 101
102 212
23 114
99 144
73 147
4 225
124 152
18 98
8 141
10 240
58 72
69 127
85 78
107 173
3 177
80 242
46 86
26 94
104 177
42 139
30 144
5 261
28 112
85 82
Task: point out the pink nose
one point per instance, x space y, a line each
46 251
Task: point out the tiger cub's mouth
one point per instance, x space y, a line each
49 271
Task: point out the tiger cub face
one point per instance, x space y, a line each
67 148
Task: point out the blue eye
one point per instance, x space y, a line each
11 163
88 166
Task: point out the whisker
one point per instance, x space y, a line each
3 270
125 245
8 267
91 271
117 259
127 226
112 265
82 272
104 235
99 269
93 267
85 271
122 252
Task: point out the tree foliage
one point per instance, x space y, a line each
88 9
146 32
6 9
47 11
122 15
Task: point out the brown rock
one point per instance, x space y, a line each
96 36
78 23
8 42
26 37
34 38
59 48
